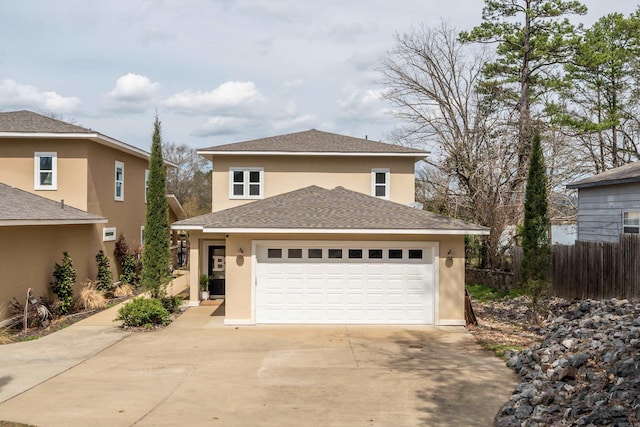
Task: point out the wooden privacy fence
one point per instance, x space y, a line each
597 270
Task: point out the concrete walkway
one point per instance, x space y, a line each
24 365
199 372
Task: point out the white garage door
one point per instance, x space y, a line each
342 282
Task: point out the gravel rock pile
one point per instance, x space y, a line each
586 372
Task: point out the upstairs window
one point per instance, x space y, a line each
380 183
246 183
631 222
146 184
119 179
46 171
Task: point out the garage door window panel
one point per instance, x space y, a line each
395 253
315 253
335 253
274 253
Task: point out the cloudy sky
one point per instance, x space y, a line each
216 71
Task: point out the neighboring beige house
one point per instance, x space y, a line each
314 227
100 181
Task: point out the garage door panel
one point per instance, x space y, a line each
344 290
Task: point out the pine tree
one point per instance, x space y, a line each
535 230
156 255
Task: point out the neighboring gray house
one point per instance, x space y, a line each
609 204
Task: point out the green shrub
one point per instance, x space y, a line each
172 304
146 312
129 275
105 277
64 277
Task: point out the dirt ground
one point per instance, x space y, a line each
510 323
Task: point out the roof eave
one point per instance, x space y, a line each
23 222
93 136
376 231
416 155
602 183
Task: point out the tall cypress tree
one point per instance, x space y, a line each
156 254
535 230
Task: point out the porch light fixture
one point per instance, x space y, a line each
240 253
450 255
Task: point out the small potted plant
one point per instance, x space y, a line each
204 287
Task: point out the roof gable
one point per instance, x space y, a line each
620 175
315 208
19 207
30 122
27 124
312 141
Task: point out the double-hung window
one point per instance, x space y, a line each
46 170
380 183
119 181
146 184
246 183
631 222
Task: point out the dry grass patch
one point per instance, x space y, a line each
90 298
123 290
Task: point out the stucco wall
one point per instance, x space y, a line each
86 180
287 173
28 254
17 167
127 215
239 270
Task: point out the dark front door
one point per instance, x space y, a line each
216 270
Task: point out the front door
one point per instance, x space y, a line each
216 270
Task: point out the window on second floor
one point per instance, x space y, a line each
119 180
631 222
380 183
146 184
46 171
246 183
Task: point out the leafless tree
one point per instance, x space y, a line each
190 182
432 80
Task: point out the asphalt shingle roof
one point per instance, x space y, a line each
30 122
620 175
21 206
314 141
318 208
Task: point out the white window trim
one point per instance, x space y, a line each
387 186
115 182
142 235
54 170
624 226
146 184
246 171
106 231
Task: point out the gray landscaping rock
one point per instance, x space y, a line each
586 371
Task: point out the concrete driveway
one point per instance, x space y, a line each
197 372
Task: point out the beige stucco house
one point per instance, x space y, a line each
314 227
89 189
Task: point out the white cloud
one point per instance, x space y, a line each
227 96
132 93
294 124
17 96
219 125
362 100
291 85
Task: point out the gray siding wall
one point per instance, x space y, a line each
600 210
